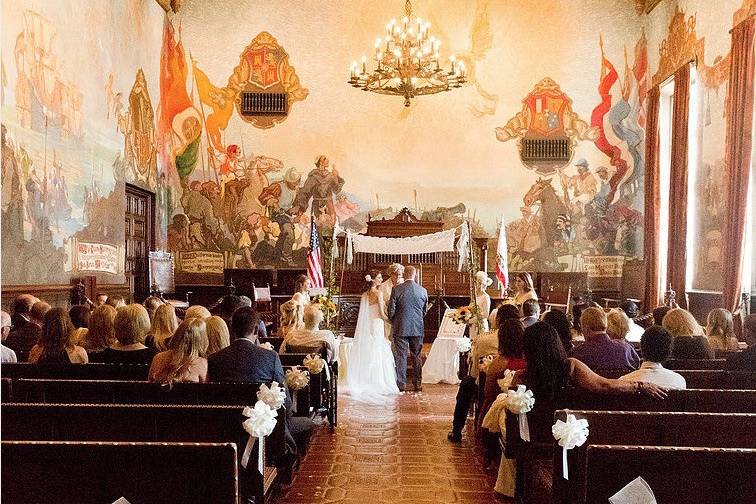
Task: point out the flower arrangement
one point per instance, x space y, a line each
463 315
297 379
328 307
274 396
314 363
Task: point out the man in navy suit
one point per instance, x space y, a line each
406 309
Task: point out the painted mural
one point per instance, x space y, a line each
70 141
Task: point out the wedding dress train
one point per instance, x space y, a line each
371 376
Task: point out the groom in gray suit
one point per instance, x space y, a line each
406 309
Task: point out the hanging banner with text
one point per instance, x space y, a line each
97 257
200 261
604 272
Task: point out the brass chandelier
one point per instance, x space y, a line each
407 62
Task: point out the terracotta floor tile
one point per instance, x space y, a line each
392 455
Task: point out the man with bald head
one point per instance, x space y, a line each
7 355
26 330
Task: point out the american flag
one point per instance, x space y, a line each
314 271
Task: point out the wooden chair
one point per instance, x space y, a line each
558 299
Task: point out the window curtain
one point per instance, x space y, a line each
738 160
653 289
678 186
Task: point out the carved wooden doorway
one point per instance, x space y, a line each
140 239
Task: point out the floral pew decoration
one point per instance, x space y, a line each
296 380
315 365
267 345
520 402
261 421
464 344
569 434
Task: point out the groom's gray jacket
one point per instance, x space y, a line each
406 309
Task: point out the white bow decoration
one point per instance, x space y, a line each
569 434
314 363
521 401
505 382
296 379
464 344
260 422
485 362
274 396
267 345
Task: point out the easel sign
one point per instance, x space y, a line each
161 271
449 328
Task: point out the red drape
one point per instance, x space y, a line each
652 295
738 160
678 186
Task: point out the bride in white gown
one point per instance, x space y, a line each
371 376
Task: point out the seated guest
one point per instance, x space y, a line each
80 319
101 298
302 287
56 343
164 324
658 313
151 304
217 334
558 320
600 352
8 355
719 330
116 301
229 304
631 310
550 374
311 336
131 324
523 286
617 324
531 310
183 361
577 312
468 387
197 311
100 334
291 317
689 341
656 345
246 300
745 360
25 330
510 356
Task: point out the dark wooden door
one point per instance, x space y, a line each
140 239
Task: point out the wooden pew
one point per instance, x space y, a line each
97 473
676 475
273 340
91 371
695 364
6 390
694 400
145 423
719 379
134 392
717 430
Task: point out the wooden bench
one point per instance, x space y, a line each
323 391
273 340
91 371
32 472
695 364
719 379
694 400
717 430
6 389
675 475
98 472
146 423
134 392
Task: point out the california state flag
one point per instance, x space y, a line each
502 270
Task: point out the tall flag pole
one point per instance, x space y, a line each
502 269
314 269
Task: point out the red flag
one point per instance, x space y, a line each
314 270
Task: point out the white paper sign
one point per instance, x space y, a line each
449 328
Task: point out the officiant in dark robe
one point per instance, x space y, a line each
321 186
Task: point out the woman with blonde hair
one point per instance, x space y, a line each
164 324
100 334
183 361
56 342
218 337
131 325
689 340
617 324
291 317
720 330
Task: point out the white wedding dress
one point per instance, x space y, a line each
371 376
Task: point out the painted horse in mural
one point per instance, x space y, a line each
553 209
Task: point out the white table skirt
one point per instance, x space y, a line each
442 364
345 347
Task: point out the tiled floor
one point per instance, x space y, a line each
392 454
